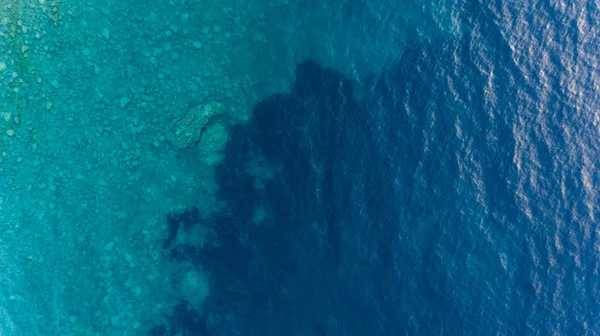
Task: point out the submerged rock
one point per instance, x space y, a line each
194 288
212 143
186 132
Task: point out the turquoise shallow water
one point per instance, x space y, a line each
305 168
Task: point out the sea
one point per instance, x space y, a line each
299 167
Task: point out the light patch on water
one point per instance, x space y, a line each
7 327
259 215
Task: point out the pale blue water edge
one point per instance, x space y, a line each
431 170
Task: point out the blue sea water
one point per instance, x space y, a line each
383 168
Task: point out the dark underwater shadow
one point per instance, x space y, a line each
322 259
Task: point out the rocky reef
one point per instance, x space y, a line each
187 131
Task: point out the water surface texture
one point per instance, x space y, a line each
232 167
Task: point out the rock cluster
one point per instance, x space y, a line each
186 132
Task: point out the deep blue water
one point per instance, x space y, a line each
452 193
